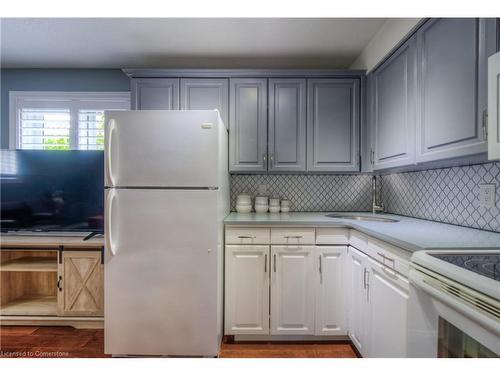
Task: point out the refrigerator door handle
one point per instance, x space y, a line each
109 215
109 169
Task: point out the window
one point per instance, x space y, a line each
90 129
8 164
45 129
61 120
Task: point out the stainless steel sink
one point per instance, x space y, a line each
362 218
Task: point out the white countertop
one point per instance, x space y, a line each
408 233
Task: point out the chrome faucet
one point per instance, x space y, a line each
376 207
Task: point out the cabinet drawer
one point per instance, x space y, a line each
389 255
292 236
332 236
358 240
247 236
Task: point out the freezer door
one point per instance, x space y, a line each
161 148
161 269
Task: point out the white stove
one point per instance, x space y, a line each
476 269
454 307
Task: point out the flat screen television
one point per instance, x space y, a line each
52 190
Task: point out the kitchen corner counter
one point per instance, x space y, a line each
408 233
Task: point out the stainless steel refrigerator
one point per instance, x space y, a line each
167 193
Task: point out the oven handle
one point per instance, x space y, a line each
417 278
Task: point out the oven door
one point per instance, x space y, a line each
446 319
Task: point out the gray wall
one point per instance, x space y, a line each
448 195
55 80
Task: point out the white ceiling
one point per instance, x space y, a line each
183 43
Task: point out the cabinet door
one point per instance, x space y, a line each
248 125
494 107
450 112
367 121
331 309
357 298
388 300
333 125
292 290
155 93
287 125
392 102
81 284
206 93
247 289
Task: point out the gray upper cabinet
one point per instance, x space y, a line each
248 125
281 122
365 143
333 115
287 125
392 92
206 93
452 58
155 93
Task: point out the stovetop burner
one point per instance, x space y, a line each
483 264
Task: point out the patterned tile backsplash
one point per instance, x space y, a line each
448 195
309 192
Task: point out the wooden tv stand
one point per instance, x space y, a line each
52 280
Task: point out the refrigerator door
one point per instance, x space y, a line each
161 148
161 270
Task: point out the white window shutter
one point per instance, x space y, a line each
44 129
90 129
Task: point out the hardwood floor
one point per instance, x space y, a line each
68 342
287 350
52 342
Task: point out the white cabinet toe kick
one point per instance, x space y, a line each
316 284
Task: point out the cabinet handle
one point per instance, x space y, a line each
274 267
247 237
364 278
320 271
485 124
384 257
265 263
59 283
390 272
264 159
297 237
271 159
108 166
372 156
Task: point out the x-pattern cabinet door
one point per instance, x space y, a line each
80 284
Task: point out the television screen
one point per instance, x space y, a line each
52 190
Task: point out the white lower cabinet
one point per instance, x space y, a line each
331 306
357 297
388 301
317 290
292 290
378 298
247 289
